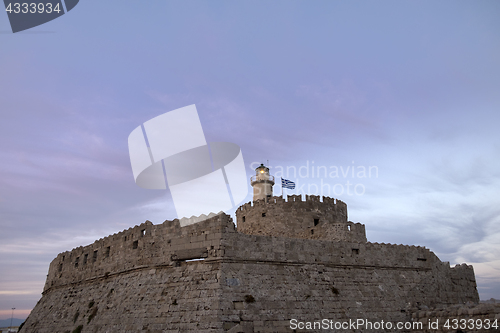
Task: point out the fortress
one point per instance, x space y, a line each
288 261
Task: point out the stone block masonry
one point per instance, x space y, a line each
212 277
295 218
145 245
137 280
470 318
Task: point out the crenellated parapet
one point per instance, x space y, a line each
145 245
296 202
313 218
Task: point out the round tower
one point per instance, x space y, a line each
262 183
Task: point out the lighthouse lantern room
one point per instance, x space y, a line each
262 183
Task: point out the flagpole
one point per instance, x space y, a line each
282 188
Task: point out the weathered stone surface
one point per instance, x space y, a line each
295 218
248 280
469 317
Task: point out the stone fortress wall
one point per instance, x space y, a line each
243 280
138 280
144 245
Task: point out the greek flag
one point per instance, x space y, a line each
285 183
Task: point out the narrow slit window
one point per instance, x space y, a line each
349 228
135 245
143 232
94 257
108 249
85 257
76 261
243 219
263 214
312 231
316 222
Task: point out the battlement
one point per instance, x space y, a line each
313 218
296 201
143 245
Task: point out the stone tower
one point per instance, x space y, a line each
262 183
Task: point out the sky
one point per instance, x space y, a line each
408 90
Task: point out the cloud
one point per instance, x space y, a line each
297 86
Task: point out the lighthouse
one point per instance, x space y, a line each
262 183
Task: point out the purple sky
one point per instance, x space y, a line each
410 88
